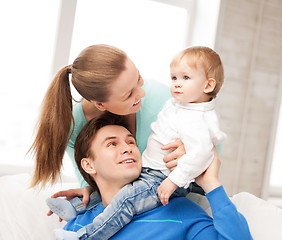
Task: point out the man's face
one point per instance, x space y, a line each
117 160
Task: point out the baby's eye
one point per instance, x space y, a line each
185 77
174 78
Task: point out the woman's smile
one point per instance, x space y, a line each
137 103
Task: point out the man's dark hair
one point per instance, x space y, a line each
82 146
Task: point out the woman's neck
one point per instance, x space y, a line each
132 123
89 110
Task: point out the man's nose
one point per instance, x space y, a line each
126 149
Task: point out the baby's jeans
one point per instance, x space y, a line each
134 198
94 200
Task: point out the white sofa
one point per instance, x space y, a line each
23 211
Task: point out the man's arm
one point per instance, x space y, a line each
227 222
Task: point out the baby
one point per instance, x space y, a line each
197 76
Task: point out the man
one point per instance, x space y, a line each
108 158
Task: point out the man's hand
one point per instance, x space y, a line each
208 180
165 190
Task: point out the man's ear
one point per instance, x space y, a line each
210 85
88 166
99 105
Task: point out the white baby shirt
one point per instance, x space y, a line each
196 124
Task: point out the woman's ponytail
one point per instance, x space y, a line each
93 71
54 127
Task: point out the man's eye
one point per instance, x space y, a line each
185 77
111 144
132 142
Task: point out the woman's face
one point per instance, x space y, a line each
126 92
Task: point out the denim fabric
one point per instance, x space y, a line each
94 200
135 198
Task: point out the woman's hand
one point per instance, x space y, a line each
208 180
172 158
70 194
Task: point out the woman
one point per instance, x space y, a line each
108 81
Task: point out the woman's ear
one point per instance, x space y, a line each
210 85
99 105
88 166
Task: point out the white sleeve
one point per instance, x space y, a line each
199 154
217 136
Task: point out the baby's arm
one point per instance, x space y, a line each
165 190
199 154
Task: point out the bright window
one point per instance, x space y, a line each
27 42
150 32
275 176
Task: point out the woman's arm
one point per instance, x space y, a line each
171 159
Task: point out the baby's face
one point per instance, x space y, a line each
188 83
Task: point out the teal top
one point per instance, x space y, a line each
156 96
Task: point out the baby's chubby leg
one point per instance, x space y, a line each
68 210
61 207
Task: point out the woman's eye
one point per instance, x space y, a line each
174 78
129 95
185 77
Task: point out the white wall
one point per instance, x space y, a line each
249 41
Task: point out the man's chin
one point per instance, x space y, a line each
132 177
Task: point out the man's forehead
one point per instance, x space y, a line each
112 132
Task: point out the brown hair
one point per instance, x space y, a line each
206 58
93 71
82 146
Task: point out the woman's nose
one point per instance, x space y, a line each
140 94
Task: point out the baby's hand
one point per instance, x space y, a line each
165 190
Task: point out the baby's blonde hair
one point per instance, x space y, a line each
206 58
